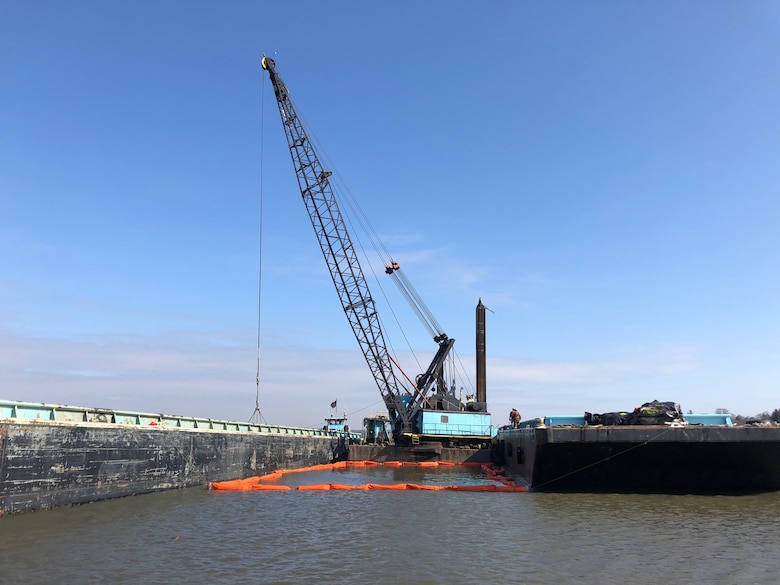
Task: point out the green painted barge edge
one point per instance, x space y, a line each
32 411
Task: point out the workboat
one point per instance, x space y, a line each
652 449
336 424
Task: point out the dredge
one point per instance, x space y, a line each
425 413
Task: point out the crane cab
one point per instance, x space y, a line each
375 430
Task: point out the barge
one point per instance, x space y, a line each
52 455
700 454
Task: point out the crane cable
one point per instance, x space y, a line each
257 415
343 194
377 244
356 212
407 288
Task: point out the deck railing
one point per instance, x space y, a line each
76 414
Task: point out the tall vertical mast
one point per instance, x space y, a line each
481 354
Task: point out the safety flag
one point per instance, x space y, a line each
333 404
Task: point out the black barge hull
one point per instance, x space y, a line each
46 464
644 459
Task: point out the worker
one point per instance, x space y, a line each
514 418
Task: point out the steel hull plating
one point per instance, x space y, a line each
45 464
644 459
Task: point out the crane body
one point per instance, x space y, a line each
426 409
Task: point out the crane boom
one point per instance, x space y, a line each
339 253
431 408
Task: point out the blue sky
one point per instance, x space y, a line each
604 175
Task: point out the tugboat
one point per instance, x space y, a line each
336 424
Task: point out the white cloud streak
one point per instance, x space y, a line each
175 375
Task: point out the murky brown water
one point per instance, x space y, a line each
420 537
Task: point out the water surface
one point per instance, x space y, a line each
381 537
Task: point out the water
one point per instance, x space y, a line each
420 537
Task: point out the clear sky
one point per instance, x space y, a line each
604 175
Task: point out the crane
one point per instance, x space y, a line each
429 393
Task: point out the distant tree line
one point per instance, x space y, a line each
765 416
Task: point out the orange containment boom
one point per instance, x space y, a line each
259 482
